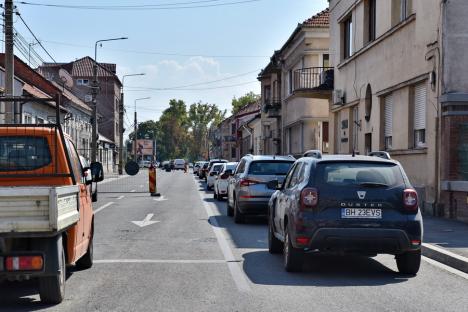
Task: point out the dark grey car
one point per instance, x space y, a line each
248 193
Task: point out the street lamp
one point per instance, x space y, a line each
135 131
121 121
94 94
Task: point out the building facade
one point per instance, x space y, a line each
400 86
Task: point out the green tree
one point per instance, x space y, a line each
238 103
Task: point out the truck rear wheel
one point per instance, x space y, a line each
52 288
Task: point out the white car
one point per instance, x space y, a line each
221 182
179 164
210 178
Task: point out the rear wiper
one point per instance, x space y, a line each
373 184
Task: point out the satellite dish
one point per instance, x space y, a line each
66 78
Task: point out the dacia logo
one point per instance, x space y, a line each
361 194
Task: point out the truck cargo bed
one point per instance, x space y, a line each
38 209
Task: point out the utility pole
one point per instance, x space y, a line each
121 131
12 114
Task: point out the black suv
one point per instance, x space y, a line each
344 204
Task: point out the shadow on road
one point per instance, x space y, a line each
319 270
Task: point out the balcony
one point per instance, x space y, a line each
313 82
272 108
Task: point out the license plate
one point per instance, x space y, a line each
361 213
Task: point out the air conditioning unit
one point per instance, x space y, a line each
338 97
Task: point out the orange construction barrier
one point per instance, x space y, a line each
152 181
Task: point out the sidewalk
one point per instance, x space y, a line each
446 241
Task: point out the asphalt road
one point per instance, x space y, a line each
196 259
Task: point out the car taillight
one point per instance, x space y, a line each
410 200
247 182
24 263
309 198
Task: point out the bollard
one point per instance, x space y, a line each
152 181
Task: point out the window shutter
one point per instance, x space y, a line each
420 95
388 116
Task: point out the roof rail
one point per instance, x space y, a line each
313 153
381 154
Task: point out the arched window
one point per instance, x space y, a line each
368 103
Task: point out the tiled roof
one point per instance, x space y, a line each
84 68
319 20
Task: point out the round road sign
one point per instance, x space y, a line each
132 168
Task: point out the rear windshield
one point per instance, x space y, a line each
269 167
231 167
359 174
23 153
217 167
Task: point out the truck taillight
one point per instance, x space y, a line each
24 263
309 198
247 182
410 200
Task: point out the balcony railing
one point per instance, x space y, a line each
320 78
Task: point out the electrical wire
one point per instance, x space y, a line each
194 89
37 40
135 8
124 6
155 52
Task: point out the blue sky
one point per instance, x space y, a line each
253 29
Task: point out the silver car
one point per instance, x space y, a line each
248 193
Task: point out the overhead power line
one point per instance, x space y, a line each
193 5
194 89
37 40
203 83
156 52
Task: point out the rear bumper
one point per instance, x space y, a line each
357 240
253 207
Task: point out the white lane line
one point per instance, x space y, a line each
445 267
237 274
103 207
132 191
158 261
445 252
120 197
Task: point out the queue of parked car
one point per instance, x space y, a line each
339 204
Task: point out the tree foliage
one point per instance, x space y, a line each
181 133
248 98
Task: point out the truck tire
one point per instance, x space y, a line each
409 262
52 288
86 262
293 257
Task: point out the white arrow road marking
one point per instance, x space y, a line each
146 221
162 198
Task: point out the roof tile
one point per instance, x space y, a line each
319 20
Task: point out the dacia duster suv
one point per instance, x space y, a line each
344 204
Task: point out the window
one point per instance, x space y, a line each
75 160
23 153
82 82
27 119
372 13
420 95
233 152
269 167
403 9
233 129
368 103
241 167
267 94
347 37
400 10
326 60
388 121
290 175
290 81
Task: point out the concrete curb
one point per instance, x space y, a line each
446 257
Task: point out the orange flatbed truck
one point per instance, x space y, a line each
46 213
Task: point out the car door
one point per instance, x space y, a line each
277 215
83 225
287 194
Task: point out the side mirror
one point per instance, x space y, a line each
97 171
